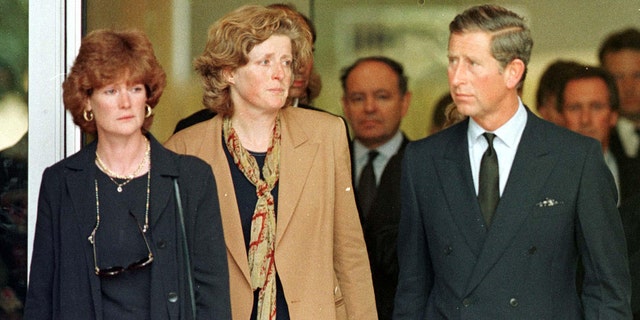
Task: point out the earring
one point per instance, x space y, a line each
147 109
88 115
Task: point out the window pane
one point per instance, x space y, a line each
13 157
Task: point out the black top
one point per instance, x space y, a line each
196 117
119 242
247 198
206 114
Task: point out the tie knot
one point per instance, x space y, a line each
489 136
372 155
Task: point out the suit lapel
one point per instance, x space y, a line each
455 174
296 156
531 167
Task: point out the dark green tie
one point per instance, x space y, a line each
489 190
367 185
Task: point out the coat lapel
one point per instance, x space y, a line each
164 170
455 174
232 226
530 169
80 182
296 157
297 154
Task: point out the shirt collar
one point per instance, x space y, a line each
388 150
509 133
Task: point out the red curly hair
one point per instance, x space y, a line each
105 57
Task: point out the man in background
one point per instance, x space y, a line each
588 103
549 87
619 54
375 99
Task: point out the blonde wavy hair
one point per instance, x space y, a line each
229 42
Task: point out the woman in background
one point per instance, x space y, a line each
108 240
294 242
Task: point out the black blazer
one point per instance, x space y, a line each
62 282
381 232
558 207
628 168
630 213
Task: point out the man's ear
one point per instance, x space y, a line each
406 101
514 71
344 101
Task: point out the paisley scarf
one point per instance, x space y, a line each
263 223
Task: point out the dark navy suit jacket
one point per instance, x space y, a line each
558 207
381 231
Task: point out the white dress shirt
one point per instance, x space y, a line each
628 136
386 151
611 162
506 144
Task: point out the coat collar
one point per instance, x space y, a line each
210 150
297 155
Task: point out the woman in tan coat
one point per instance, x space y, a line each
294 243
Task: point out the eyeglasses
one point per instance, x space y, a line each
113 271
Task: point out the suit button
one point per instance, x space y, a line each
466 302
448 250
513 302
532 250
162 244
173 297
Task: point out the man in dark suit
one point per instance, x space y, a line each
630 212
498 209
619 54
588 104
375 99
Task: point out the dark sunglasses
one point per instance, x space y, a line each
113 271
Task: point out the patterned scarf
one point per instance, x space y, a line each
263 222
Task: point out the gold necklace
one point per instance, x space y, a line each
146 209
128 178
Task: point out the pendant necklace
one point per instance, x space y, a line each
128 178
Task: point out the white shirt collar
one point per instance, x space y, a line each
506 144
509 133
388 150
628 137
